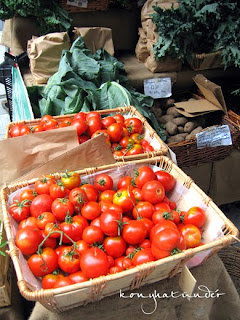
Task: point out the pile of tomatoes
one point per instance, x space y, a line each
124 136
71 231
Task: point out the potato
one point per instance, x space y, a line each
180 121
180 129
157 112
167 117
171 128
184 134
190 126
170 102
194 132
175 139
173 111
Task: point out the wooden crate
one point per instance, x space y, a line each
219 232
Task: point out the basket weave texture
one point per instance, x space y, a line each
93 5
188 155
160 148
185 194
234 119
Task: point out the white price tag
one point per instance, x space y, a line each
78 3
158 87
214 137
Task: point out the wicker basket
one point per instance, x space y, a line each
219 232
206 61
160 148
92 5
234 119
188 155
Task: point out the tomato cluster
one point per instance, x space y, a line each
124 136
71 231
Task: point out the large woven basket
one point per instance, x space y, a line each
160 148
188 155
92 5
219 232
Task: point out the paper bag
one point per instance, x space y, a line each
96 38
92 153
141 47
22 154
45 53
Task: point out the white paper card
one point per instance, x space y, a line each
158 87
214 137
187 282
78 3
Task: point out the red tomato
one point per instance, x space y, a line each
134 232
66 123
91 192
94 263
167 224
111 261
148 224
73 228
191 234
43 263
145 244
27 194
95 222
107 121
20 210
110 221
136 149
126 263
40 204
49 280
61 207
19 130
83 138
78 277
80 125
143 256
29 222
119 118
80 116
182 243
43 184
143 209
45 118
125 182
164 242
153 191
115 132
93 234
163 206
126 142
114 246
137 138
94 124
28 240
137 192
143 175
48 242
134 125
68 260
125 199
103 182
82 221
82 246
38 128
167 180
115 269
148 148
107 195
44 218
62 282
57 190
91 210
52 230
93 114
71 180
196 216
78 197
50 124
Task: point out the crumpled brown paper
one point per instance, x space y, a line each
96 38
45 53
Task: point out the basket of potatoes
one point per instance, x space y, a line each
181 133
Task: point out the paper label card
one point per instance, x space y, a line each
78 3
158 87
214 137
187 282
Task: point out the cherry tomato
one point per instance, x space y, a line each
44 262
125 142
115 132
50 124
143 209
125 182
78 197
61 207
134 125
107 195
107 121
115 269
94 124
167 224
137 192
137 138
66 123
38 128
19 130
40 204
164 242
103 182
119 118
71 180
28 240
143 175
134 232
110 222
80 116
44 218
20 210
191 234
143 256
167 180
49 280
114 246
125 199
57 190
27 194
48 242
91 191
29 222
94 263
153 191
69 260
73 228
62 282
134 149
83 138
93 234
196 216
80 125
78 277
82 246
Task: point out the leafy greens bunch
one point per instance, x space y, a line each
201 26
86 82
50 16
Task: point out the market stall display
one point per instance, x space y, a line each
218 232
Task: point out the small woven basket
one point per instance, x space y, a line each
234 119
92 5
